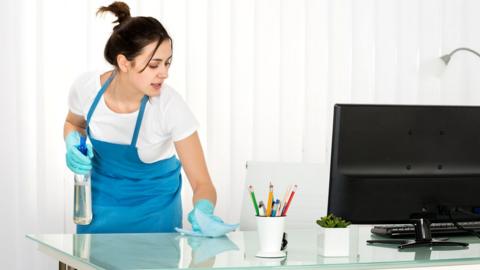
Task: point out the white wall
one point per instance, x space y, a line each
261 77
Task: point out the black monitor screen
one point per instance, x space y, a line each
392 162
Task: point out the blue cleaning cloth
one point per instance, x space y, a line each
209 227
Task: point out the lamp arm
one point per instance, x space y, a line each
464 49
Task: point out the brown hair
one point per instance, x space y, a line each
131 34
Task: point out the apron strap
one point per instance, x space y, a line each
99 95
97 99
139 120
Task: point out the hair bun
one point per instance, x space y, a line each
119 9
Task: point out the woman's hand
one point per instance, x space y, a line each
205 224
206 207
76 161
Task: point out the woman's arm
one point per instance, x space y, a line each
74 122
190 153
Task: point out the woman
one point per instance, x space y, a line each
135 123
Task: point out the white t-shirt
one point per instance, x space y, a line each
166 119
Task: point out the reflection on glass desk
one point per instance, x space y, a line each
238 249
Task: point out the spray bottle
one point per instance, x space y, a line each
82 204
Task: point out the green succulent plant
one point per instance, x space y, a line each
331 221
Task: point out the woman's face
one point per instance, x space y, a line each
150 80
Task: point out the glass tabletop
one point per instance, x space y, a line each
238 249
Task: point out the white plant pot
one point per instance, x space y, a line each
333 242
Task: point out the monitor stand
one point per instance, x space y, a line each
423 237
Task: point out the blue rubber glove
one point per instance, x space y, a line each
206 207
204 223
76 161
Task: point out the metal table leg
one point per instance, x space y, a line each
62 266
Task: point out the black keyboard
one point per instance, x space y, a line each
437 229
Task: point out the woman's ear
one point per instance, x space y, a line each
123 62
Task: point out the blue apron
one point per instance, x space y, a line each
128 195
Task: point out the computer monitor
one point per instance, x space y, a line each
404 164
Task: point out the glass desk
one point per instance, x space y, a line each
238 249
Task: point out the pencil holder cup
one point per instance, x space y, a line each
270 233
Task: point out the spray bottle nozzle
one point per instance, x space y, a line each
82 147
